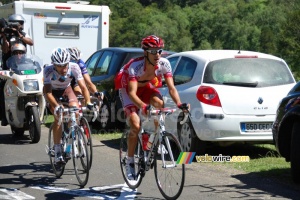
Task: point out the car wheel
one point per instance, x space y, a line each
120 115
188 138
105 116
295 149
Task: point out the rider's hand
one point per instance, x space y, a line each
56 110
145 109
184 106
90 106
99 95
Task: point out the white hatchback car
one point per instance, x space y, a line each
233 96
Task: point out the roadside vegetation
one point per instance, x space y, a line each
268 26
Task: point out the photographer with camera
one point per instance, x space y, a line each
12 33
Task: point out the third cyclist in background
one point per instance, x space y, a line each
75 57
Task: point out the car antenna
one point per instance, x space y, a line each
239 50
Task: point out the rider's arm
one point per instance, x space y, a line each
84 90
91 87
172 90
132 89
49 96
5 44
26 39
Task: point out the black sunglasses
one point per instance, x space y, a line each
62 66
154 52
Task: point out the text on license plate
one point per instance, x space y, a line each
248 127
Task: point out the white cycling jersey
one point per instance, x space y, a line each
59 82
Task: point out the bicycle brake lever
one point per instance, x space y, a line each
186 115
95 110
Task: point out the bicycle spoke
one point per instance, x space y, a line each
80 157
168 175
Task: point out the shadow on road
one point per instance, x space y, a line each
27 175
10 139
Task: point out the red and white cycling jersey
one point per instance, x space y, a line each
59 82
135 68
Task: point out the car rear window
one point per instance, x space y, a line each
248 72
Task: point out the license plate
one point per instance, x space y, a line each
255 127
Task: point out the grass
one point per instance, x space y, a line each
264 161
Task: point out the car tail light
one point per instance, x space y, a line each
208 95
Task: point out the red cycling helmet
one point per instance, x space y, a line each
152 41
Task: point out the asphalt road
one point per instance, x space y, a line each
25 173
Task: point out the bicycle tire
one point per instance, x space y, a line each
138 160
170 180
80 157
87 131
58 170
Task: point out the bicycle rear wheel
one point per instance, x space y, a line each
80 157
138 161
170 176
87 131
58 170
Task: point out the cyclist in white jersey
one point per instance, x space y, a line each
57 83
137 82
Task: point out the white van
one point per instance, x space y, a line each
71 24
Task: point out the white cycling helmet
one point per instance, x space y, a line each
60 56
74 52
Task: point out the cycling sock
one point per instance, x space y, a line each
57 148
130 160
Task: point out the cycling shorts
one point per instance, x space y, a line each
144 93
66 93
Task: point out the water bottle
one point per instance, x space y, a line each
150 141
69 146
145 138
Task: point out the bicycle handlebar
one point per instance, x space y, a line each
62 110
167 111
95 107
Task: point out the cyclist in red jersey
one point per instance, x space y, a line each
137 82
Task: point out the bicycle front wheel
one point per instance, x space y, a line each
80 157
87 131
58 170
138 162
169 176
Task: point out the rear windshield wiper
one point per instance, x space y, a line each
243 84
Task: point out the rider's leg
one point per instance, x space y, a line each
134 123
57 133
73 101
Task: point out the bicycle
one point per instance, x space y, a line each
162 156
76 136
83 122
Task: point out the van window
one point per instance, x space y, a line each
62 30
